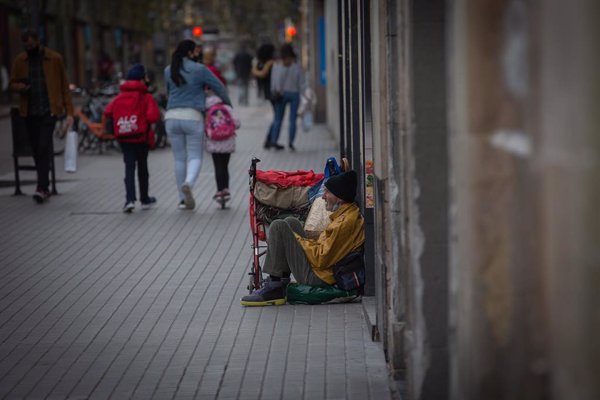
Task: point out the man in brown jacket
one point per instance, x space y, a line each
39 76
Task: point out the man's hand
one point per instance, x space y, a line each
20 87
69 122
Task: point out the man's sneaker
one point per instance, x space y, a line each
129 207
190 204
181 205
149 203
273 293
41 195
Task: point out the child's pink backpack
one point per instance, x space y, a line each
219 123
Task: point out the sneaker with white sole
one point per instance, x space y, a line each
129 207
189 201
181 205
149 203
41 196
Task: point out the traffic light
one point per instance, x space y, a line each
290 32
197 31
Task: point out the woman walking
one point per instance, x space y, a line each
287 80
186 80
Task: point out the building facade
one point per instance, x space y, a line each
473 125
86 32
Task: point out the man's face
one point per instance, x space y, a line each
332 201
31 44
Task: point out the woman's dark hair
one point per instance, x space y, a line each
182 50
265 52
287 51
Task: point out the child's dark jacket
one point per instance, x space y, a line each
135 99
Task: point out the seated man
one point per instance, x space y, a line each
311 260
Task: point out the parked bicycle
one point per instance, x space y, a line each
90 123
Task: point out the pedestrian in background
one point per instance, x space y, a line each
132 112
242 63
265 56
106 68
287 81
39 77
185 80
4 79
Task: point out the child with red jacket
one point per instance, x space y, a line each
132 113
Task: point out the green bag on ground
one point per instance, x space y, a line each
298 293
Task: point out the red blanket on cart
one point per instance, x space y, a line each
285 179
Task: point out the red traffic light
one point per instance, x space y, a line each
197 31
291 31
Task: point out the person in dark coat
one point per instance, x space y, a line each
265 56
242 62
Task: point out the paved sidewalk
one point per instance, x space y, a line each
99 304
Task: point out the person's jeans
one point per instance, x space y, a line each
285 255
40 130
135 153
293 98
243 99
187 139
270 131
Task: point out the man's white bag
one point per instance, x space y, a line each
71 151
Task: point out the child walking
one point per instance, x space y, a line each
132 112
221 123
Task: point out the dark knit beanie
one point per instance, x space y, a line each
343 186
136 73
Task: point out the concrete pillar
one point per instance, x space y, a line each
410 146
569 164
498 333
525 155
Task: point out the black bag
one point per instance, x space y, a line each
349 272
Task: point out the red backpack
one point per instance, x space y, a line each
219 123
129 117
